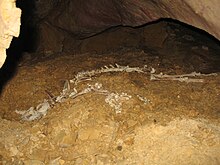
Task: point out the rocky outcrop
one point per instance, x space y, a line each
9 25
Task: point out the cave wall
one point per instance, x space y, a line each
81 19
58 21
9 26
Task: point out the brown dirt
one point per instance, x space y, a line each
179 124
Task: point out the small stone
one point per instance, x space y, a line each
129 141
55 161
90 133
62 162
14 151
67 141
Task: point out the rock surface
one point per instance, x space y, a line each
82 19
9 25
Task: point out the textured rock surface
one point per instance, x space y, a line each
9 25
82 19
87 17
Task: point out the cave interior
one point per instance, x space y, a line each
138 81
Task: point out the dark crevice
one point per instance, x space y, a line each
24 43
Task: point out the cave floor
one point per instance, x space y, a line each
138 121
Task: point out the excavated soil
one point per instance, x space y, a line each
161 122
